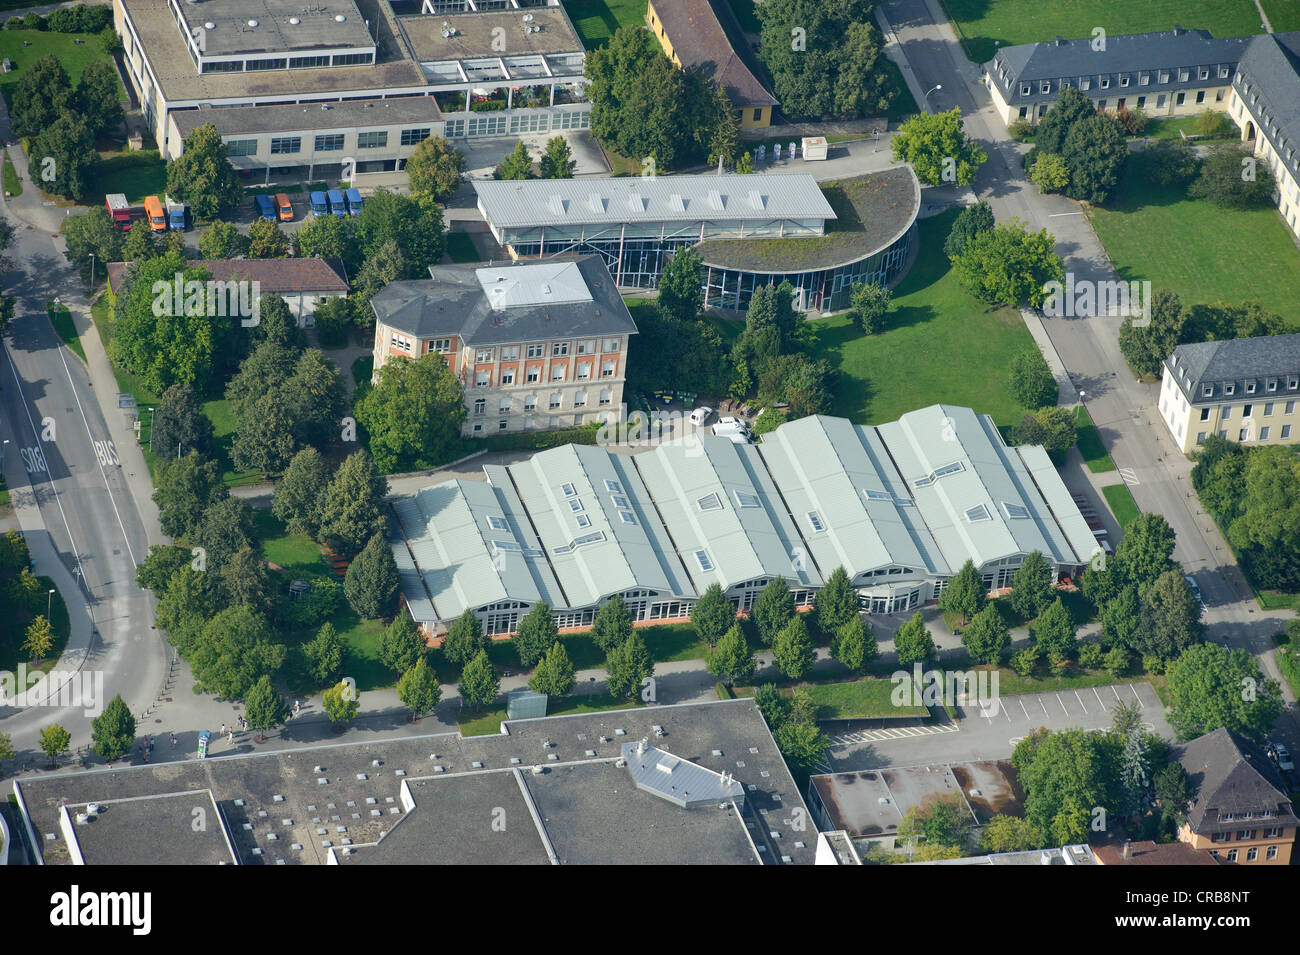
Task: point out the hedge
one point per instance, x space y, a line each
540 440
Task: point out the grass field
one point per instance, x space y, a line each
11 184
984 24
59 623
479 722
136 175
1203 252
858 699
61 319
223 421
940 345
1090 445
596 20
1121 503
73 56
1283 15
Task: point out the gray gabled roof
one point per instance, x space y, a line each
588 539
1229 774
698 487
1237 361
529 203
455 302
975 493
843 472
1270 70
1125 54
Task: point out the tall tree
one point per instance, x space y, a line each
1009 265
1094 153
869 304
913 643
236 647
202 176
854 644
55 741
1054 632
435 168
371 582
341 703
266 240
1065 775
970 222
222 240
1031 381
1031 585
226 529
413 412
354 505
792 649
557 160
1148 341
681 286
418 689
613 624
731 659
299 495
185 488
413 223
479 682
1211 687
40 97
772 610
401 645
836 602
179 421
1071 107
68 146
554 675
628 666
537 633
325 655
517 165
92 234
965 595
264 706
987 636
713 614
1170 619
464 639
1231 177
1146 550
98 96
937 146
113 731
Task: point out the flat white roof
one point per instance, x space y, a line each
547 283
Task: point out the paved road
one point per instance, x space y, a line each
1123 409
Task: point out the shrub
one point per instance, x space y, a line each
1152 663
1021 130
315 605
1091 655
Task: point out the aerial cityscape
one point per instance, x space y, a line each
650 432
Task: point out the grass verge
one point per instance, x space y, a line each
1090 444
11 184
474 721
1121 503
64 327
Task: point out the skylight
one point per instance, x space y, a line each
955 468
978 513
923 482
584 520
873 495
619 501
1014 510
815 520
497 523
626 517
710 502
568 489
745 499
575 505
702 557
613 487
592 538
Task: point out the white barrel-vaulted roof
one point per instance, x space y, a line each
842 473
529 203
724 513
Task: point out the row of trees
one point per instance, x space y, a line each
556 162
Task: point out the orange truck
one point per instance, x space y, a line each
153 210
283 207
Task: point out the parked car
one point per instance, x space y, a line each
284 207
701 415
265 207
733 428
1196 591
1283 757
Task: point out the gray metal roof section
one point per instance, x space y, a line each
677 780
351 115
596 523
473 546
275 26
412 583
1059 501
843 472
698 487
974 492
1235 362
699 198
455 302
1270 70
1054 61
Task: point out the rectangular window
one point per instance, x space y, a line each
401 342
618 500
559 349
1250 387
305 62
1263 433
331 142
259 65
702 558
1229 389
1268 409
223 66
611 345
1200 437
1271 853
536 351
568 489
607 369
1180 99
482 379
1142 102
758 114
413 137
530 404
1270 385
282 145
1286 431
586 348
583 520
480 406
1200 96
377 139
241 147
556 398
503 406
1227 413
483 355
510 353
1241 435
580 399
1232 855
1025 89
815 521
584 371
1246 410
626 517
534 373
508 377
440 345
353 59
557 373
1205 414
606 396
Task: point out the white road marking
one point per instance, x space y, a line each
1022 707
1064 709
1080 699
1099 699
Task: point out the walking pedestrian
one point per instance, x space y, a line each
223 730
231 737
173 739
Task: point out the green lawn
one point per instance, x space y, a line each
136 175
1121 503
1011 683
11 184
984 24
223 421
1090 445
1283 15
74 57
126 382
596 20
1204 253
479 722
1173 127
903 104
12 634
61 319
940 345
859 699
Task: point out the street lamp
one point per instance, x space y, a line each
151 431
1082 395
49 603
926 96
92 273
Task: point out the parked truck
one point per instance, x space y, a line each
175 214
119 210
337 205
320 206
153 211
353 197
265 207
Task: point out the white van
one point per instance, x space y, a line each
701 415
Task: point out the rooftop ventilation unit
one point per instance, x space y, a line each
252 23
295 21
339 18
209 25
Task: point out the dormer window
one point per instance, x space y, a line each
1085 83
1207 391
1250 387
1105 82
1230 389
1045 86
1025 89
1203 73
1123 80
1271 384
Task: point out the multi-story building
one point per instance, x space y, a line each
534 344
900 506
1243 389
705 35
1240 813
469 71
1254 79
749 230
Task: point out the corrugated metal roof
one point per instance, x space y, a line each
698 488
597 525
1059 500
843 472
679 780
529 203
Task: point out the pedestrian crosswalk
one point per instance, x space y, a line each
896 732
